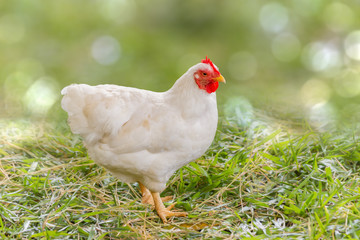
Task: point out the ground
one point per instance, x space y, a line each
256 181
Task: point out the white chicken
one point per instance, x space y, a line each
144 136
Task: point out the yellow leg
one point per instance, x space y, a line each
147 197
164 212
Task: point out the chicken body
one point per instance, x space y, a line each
143 136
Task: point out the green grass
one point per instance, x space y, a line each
255 182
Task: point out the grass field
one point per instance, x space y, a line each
255 182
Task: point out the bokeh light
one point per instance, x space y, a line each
274 17
106 50
315 92
320 56
41 96
352 45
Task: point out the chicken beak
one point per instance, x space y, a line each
220 79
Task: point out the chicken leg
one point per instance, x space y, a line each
147 197
164 212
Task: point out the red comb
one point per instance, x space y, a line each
208 61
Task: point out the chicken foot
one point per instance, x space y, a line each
163 211
147 197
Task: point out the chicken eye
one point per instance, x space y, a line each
204 74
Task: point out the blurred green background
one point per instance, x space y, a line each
296 57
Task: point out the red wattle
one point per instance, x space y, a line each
212 86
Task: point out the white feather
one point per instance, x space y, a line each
139 135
